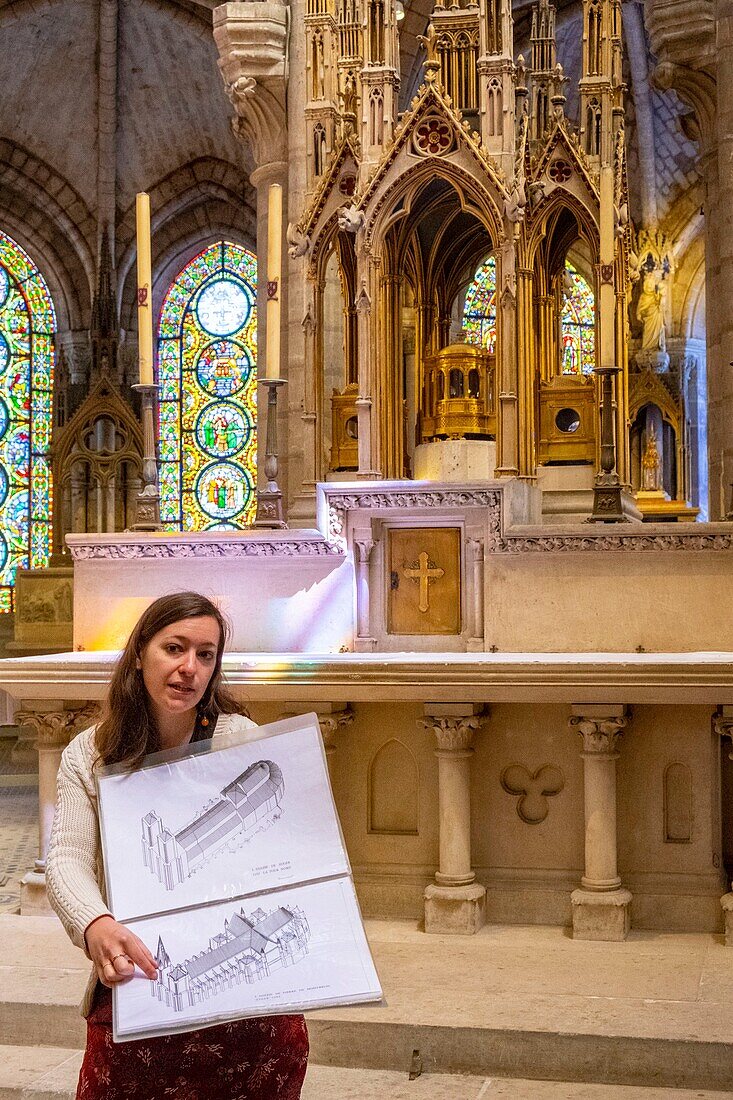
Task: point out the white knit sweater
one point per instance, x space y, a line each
74 869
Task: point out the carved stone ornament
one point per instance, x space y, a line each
57 727
533 789
286 548
453 734
600 735
375 500
723 727
433 137
607 273
331 724
243 88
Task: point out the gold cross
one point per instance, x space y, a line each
424 571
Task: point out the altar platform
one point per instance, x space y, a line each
501 1013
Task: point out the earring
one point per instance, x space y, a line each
204 721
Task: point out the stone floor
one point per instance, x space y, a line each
650 1019
18 825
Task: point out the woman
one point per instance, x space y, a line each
166 691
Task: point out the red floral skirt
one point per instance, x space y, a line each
263 1058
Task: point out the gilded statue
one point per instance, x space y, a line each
651 465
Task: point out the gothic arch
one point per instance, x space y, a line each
55 226
482 198
393 785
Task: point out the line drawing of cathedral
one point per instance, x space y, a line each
247 950
238 808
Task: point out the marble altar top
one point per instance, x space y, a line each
654 678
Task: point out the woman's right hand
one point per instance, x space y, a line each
115 951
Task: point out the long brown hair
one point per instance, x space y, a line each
128 731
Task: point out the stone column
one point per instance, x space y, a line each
455 902
601 907
363 546
723 726
475 546
54 728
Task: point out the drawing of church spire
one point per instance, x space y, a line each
161 955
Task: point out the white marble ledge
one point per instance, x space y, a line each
127 545
704 678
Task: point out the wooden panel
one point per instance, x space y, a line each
424 581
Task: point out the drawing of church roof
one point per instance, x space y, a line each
238 809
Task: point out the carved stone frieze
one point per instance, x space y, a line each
453 733
636 543
601 736
57 727
285 548
339 504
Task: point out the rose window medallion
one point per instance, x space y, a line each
433 137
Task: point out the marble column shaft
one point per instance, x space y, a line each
455 903
601 907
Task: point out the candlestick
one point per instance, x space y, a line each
270 499
274 279
147 502
144 291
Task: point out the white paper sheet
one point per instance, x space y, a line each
177 834
227 860
218 967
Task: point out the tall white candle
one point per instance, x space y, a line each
144 290
274 279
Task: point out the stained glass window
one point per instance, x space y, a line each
578 325
207 376
27 324
479 313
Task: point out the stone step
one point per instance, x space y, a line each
50 1073
508 1002
340 1042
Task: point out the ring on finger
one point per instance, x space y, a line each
119 955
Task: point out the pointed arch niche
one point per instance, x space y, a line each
207 375
394 791
27 326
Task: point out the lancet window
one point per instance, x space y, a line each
207 355
577 325
319 150
27 324
479 312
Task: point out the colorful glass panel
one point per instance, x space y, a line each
578 325
479 312
27 324
207 377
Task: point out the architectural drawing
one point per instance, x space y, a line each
237 809
247 950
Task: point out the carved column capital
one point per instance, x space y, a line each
364 547
331 722
454 733
723 725
252 40
601 734
57 727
